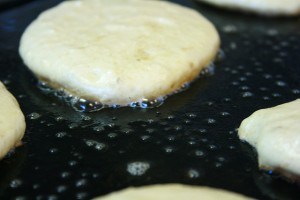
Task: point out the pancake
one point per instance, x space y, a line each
12 122
262 7
119 51
172 191
274 132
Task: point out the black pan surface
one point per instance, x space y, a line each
190 139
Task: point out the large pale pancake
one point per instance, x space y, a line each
174 192
119 51
12 122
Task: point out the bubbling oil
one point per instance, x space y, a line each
84 105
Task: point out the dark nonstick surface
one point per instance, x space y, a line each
190 139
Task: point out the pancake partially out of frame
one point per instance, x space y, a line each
262 7
12 122
174 192
274 132
119 51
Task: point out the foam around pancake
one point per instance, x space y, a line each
119 51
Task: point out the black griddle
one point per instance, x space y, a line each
190 139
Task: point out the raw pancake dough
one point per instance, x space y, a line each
263 7
119 51
12 122
172 191
275 133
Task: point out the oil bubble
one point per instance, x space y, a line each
34 115
61 188
138 168
96 145
60 134
192 173
16 183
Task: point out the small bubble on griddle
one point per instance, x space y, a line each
59 119
61 134
34 116
171 138
81 183
146 103
112 135
82 195
220 56
211 121
137 168
276 95
247 94
73 125
65 174
72 163
150 130
218 164
52 197
6 82
20 198
281 83
233 45
86 118
209 70
191 115
191 142
145 137
53 150
169 149
202 130
243 88
295 91
177 127
225 114
36 186
98 128
213 147
128 131
193 173
229 29
15 183
200 153
61 188
99 146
